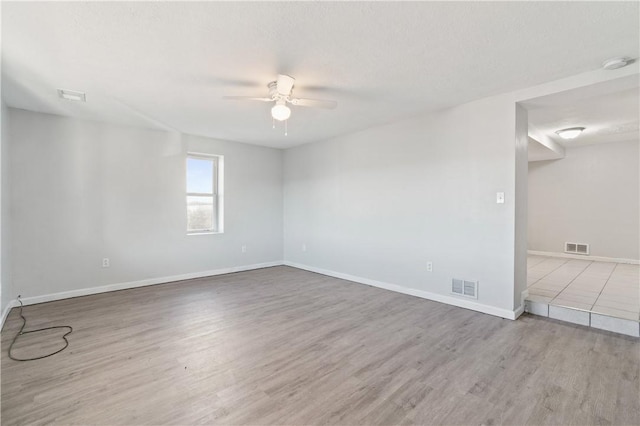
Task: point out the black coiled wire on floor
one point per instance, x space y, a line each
22 332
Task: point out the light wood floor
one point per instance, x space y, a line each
285 346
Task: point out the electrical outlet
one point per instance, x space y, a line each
244 249
304 247
105 262
429 266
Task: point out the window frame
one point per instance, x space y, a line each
216 195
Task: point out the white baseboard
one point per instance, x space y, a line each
523 298
518 312
449 300
584 257
6 311
31 300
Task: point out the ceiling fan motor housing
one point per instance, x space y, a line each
273 90
280 92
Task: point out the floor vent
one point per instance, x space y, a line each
576 248
464 288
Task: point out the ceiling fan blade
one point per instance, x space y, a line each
247 98
314 103
284 84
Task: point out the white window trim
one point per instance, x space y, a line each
218 192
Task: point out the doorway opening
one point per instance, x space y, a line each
583 206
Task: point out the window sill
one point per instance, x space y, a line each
206 233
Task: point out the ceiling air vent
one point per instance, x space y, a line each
72 95
464 288
576 248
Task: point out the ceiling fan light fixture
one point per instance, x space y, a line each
570 133
280 111
281 92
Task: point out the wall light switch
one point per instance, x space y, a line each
500 198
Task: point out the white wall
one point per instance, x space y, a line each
6 292
521 210
591 196
85 190
380 203
376 205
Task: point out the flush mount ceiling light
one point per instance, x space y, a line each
280 110
72 95
570 133
615 63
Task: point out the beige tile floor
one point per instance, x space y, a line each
611 289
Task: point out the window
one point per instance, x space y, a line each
204 200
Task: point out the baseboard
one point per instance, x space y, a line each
31 300
518 312
467 304
449 300
523 298
584 257
5 312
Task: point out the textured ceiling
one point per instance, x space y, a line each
167 65
608 117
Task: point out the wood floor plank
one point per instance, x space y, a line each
286 346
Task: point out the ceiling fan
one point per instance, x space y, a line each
280 92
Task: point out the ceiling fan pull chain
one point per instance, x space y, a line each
273 123
285 127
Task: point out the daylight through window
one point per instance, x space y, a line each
203 195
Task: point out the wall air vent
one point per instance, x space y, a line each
457 286
576 248
464 288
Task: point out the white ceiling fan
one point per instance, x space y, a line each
280 92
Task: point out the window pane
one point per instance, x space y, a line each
199 176
200 215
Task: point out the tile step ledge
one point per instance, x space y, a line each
585 318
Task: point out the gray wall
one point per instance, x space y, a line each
590 196
85 190
379 204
